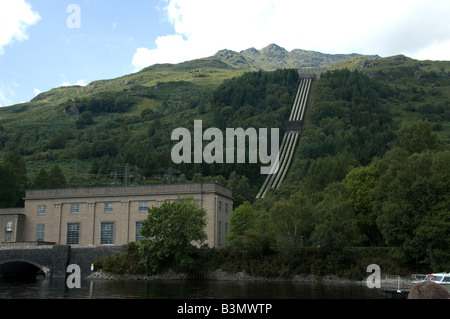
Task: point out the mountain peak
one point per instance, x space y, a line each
274 48
274 57
250 51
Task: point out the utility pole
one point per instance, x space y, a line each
126 177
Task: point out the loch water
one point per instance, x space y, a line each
56 288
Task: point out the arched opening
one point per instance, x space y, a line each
21 270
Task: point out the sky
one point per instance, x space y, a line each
46 44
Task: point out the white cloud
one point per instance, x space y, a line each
37 92
385 27
203 27
15 17
436 51
79 82
3 100
168 51
6 92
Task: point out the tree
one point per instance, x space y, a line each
417 138
41 180
86 118
241 220
19 166
241 188
413 204
360 183
434 233
53 179
324 171
335 220
293 221
251 232
171 230
56 178
8 186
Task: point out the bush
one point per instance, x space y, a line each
124 263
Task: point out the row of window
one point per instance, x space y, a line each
108 208
107 233
219 232
74 230
227 207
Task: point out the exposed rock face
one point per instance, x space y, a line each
273 57
72 110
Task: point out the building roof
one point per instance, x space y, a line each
153 189
12 211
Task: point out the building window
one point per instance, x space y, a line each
159 202
9 228
226 228
138 231
74 208
220 206
219 236
143 207
108 207
42 209
226 208
73 233
107 233
40 232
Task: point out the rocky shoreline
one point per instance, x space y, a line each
214 275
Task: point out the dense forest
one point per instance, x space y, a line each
369 182
137 149
361 178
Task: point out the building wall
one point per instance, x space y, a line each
11 222
125 201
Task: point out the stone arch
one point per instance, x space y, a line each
22 269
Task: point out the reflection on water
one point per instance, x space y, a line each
179 289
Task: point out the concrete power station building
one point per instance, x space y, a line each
107 215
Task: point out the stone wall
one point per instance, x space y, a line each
85 256
53 260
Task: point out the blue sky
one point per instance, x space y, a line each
54 54
40 51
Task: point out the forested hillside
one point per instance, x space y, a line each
371 169
123 137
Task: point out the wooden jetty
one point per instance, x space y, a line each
395 286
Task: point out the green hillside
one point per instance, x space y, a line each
371 168
69 126
118 131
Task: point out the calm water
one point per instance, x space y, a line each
107 289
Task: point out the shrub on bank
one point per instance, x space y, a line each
125 263
350 263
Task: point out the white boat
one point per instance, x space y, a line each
442 278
